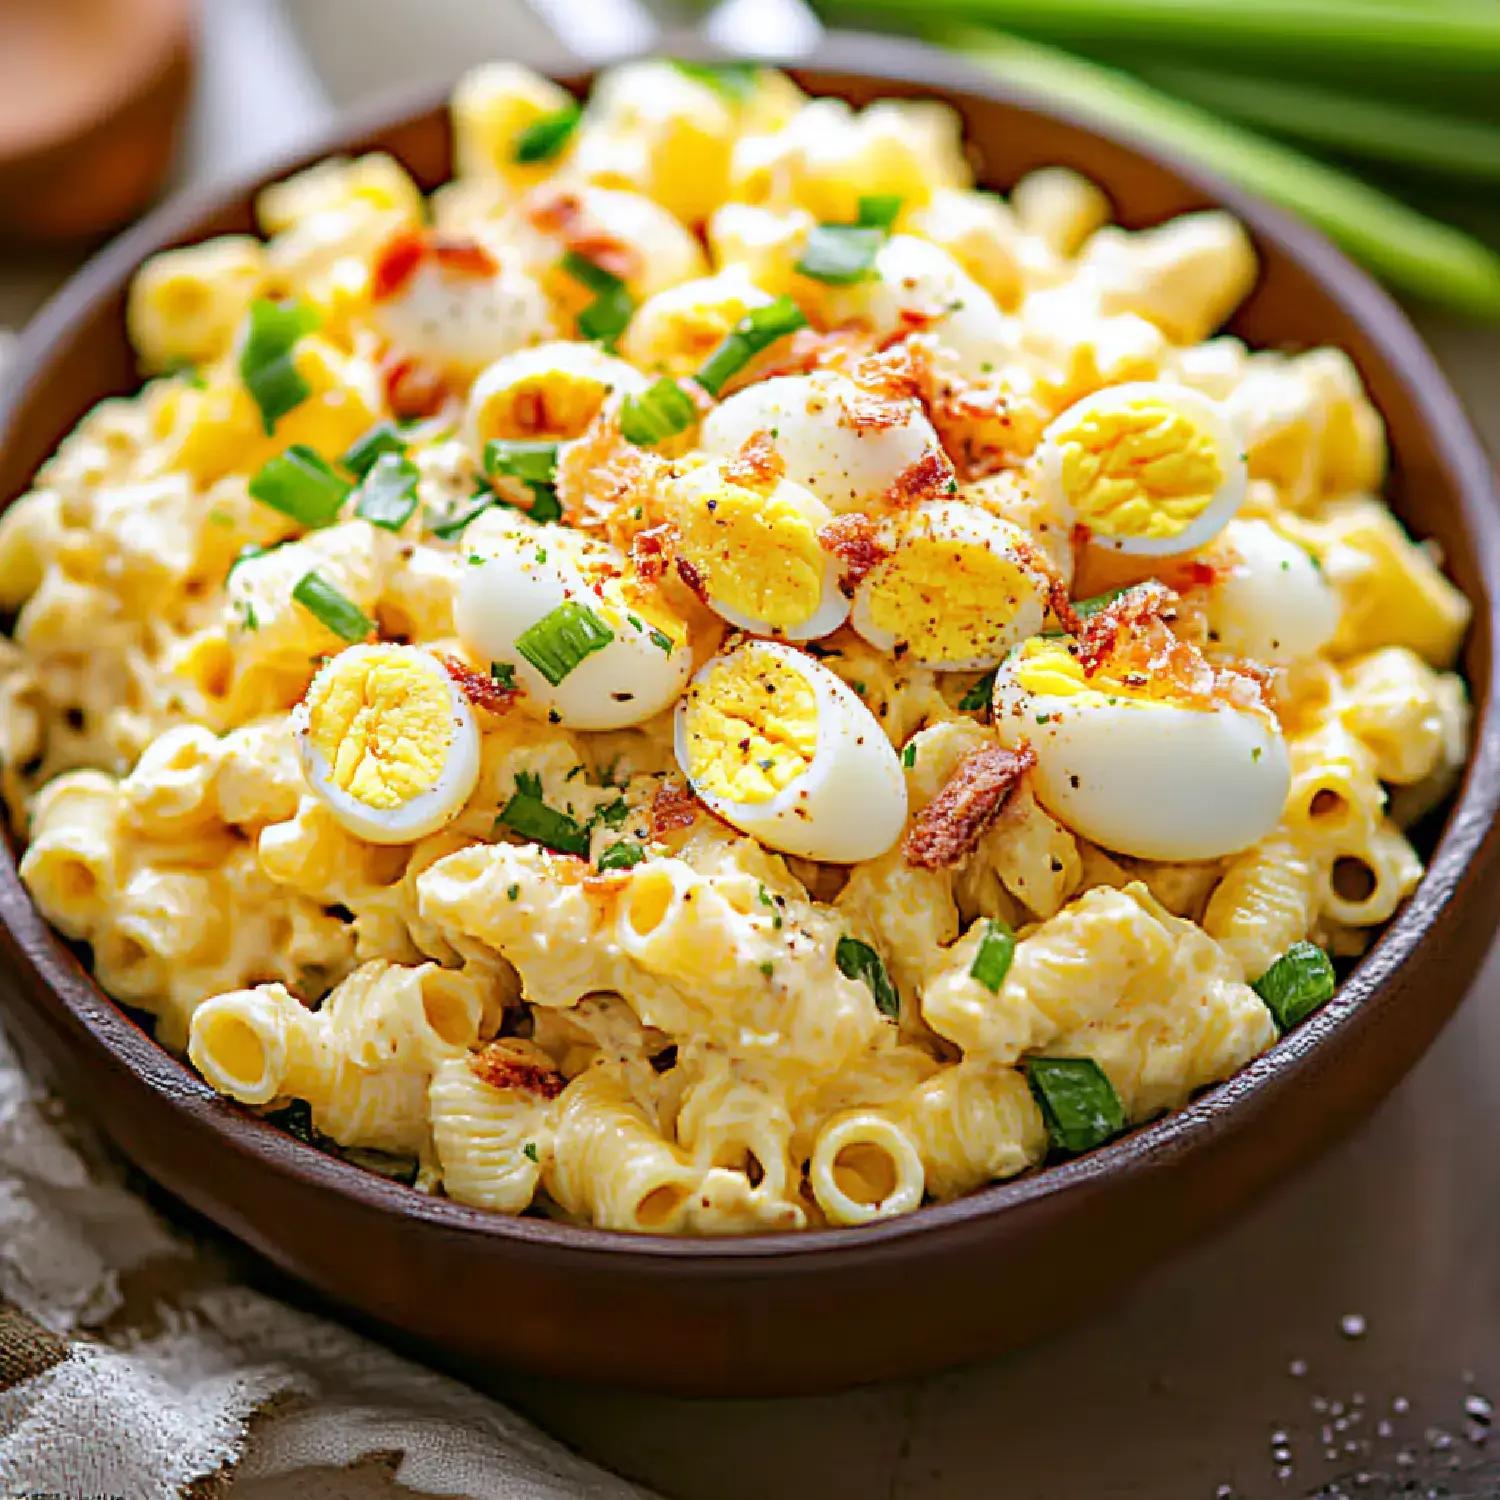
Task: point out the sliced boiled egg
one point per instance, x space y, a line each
1145 467
451 302
753 548
590 649
388 742
784 751
1144 759
1269 599
956 590
850 448
552 391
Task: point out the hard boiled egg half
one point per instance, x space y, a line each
1141 760
1146 467
588 647
784 751
958 588
846 446
752 546
388 742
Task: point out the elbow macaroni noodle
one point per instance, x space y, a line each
589 987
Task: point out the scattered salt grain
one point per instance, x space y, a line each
1352 1325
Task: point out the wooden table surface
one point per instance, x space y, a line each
1350 1325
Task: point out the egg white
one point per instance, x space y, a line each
811 429
1144 778
1272 602
523 574
849 805
966 528
1206 414
418 816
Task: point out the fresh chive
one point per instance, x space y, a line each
450 528
382 438
531 463
879 211
562 638
857 960
504 673
621 856
979 695
533 819
1086 609
529 1151
909 754
302 485
612 814
267 367
546 136
545 506
513 891
736 81
661 640
1077 1101
606 317
326 604
840 254
388 493
757 330
992 960
660 412
1300 981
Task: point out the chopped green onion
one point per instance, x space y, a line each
606 317
527 814
736 81
857 960
302 485
909 754
612 814
382 438
562 638
388 494
1300 981
840 253
660 639
992 961
451 527
267 367
1077 1101
529 1151
1086 609
880 211
979 695
331 608
531 463
660 412
546 136
621 856
757 330
504 673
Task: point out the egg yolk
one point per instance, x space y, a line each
1048 670
757 554
550 404
945 600
382 721
752 727
1145 469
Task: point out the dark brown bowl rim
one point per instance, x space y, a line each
1149 1149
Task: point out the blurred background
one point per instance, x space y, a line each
1345 1335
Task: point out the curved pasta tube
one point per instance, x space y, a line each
973 1124
1413 721
865 1166
1370 874
172 792
72 864
1267 900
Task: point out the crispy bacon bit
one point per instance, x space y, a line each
563 214
649 553
396 263
873 413
478 687
1138 612
500 1066
464 257
1057 590
910 321
414 390
675 806
853 540
947 829
693 579
808 350
929 478
757 465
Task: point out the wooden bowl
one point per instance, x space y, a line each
947 1284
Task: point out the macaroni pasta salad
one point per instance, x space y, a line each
710 677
